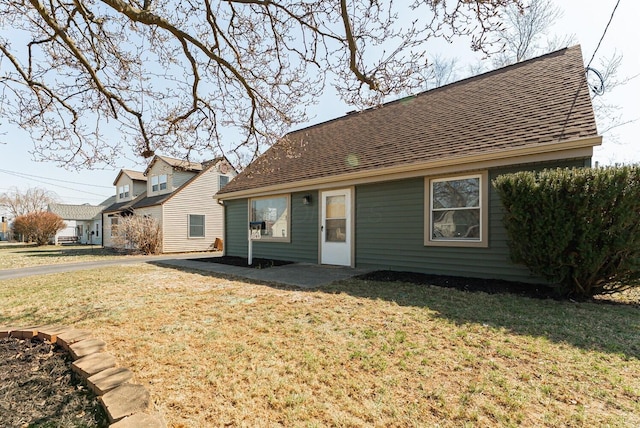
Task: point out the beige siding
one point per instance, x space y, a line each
139 187
178 178
196 198
123 180
107 241
175 179
153 211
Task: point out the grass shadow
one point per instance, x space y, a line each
75 251
592 326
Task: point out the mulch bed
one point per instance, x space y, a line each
257 263
490 286
38 388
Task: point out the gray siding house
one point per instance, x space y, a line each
407 185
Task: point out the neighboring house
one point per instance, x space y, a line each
177 193
83 222
407 185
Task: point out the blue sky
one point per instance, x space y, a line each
586 20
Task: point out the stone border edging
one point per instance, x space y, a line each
127 405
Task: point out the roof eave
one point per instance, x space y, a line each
559 149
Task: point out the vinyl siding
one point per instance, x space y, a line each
175 178
178 178
236 225
107 240
390 233
136 187
304 232
196 198
124 179
139 187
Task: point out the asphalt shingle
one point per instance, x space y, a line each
536 102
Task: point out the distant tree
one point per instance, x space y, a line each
34 199
526 34
173 76
441 71
39 227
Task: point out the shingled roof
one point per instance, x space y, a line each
76 212
134 175
533 104
180 164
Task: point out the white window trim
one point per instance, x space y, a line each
483 242
282 195
157 187
123 191
204 226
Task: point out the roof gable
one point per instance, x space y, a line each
178 164
143 200
534 103
133 175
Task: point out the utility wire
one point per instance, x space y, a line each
52 184
16 173
604 32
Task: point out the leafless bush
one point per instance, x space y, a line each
38 227
139 233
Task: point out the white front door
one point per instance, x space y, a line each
335 227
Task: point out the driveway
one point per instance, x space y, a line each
71 267
301 275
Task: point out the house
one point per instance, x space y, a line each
83 222
173 191
407 185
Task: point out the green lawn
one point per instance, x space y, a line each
216 351
26 255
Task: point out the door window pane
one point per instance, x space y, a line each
336 230
336 207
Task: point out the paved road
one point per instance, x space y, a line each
71 267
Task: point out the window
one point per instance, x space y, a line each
457 211
196 226
158 182
274 212
123 191
114 226
223 180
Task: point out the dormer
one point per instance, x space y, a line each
129 185
165 175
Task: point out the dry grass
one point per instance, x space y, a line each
26 255
221 352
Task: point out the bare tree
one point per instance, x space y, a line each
441 71
526 32
34 199
90 79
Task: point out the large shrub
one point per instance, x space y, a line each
139 233
579 229
39 227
